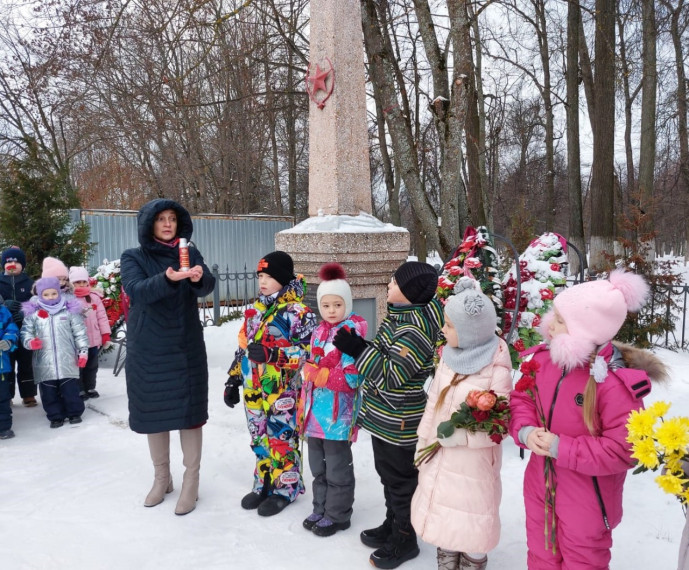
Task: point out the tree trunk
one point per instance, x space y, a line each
647 154
382 75
603 176
544 49
389 176
576 220
683 132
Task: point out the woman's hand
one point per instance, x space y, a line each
194 274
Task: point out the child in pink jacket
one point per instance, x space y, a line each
586 388
456 503
97 328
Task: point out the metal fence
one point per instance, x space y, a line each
233 291
670 304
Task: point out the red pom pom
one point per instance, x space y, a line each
331 271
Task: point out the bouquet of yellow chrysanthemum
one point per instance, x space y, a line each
660 443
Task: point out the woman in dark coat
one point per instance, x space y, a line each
166 366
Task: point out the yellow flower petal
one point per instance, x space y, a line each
645 451
671 484
672 435
658 409
640 424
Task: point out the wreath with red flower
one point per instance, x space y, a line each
543 271
42 313
476 258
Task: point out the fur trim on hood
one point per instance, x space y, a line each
642 359
31 306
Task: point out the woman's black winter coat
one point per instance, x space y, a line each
166 366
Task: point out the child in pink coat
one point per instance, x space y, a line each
456 504
97 328
585 388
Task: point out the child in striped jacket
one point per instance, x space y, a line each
395 367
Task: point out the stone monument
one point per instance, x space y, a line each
340 227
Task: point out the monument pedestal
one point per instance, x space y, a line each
369 250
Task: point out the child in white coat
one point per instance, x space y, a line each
456 504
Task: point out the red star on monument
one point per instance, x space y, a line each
317 80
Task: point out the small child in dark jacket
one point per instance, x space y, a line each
15 288
9 334
54 329
396 366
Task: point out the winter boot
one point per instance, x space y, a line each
272 505
159 446
379 536
448 559
191 440
402 547
253 500
468 563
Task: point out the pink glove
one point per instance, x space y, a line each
81 363
35 344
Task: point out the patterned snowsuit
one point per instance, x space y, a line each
328 406
271 389
589 471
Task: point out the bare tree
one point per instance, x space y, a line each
602 183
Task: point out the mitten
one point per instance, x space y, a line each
13 306
347 341
83 359
458 437
231 395
105 341
261 353
5 345
35 344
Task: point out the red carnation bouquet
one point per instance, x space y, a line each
483 410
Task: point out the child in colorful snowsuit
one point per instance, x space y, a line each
54 329
328 405
396 366
273 343
97 328
466 471
570 409
9 336
15 288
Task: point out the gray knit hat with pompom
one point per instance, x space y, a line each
473 316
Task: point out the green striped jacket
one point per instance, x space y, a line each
396 366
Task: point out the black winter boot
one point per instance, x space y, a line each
402 547
379 536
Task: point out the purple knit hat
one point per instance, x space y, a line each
47 283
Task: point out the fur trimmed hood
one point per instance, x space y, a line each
642 359
31 306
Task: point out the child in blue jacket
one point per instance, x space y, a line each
328 406
9 334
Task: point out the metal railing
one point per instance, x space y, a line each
233 291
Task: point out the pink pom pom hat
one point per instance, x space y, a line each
593 312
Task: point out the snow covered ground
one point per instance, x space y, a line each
72 497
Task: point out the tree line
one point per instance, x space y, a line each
523 115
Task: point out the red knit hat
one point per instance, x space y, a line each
593 312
